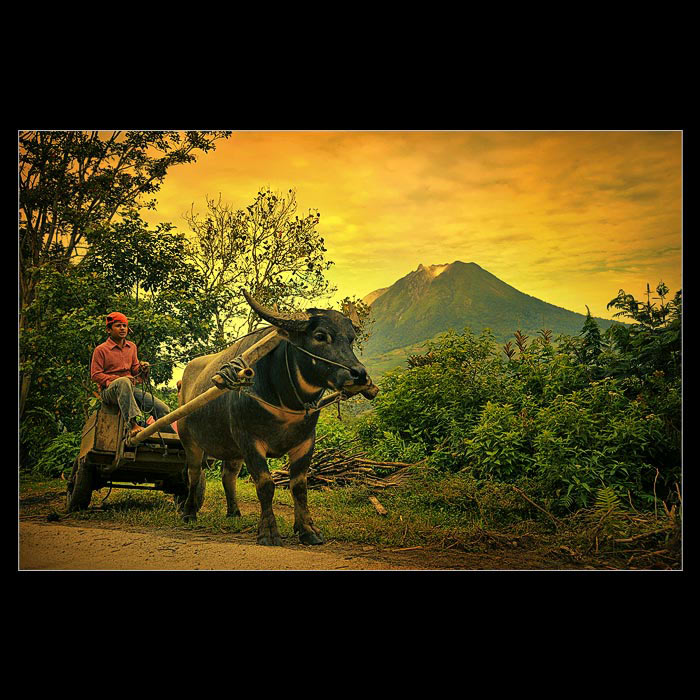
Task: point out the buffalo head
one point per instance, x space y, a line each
325 339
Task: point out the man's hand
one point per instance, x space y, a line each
144 368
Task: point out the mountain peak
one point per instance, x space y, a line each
434 298
430 272
434 270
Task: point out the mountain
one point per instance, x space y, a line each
431 300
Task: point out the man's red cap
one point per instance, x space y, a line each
116 316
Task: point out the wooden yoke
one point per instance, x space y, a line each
250 356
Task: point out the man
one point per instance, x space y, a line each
116 369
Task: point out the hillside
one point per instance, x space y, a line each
431 300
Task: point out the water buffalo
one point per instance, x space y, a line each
274 419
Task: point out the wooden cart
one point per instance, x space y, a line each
106 459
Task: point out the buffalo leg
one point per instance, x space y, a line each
195 456
229 474
299 461
256 461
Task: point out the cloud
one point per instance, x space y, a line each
536 206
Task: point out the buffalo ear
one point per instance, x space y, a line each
294 322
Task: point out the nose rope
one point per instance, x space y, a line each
318 357
307 406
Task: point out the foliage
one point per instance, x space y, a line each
579 419
394 448
59 454
266 249
74 183
331 432
133 257
439 398
64 323
361 315
592 341
653 343
71 181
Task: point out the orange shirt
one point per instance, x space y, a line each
110 361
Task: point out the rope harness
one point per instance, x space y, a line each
229 374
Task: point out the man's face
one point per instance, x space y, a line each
118 330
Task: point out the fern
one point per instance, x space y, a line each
59 455
566 501
606 500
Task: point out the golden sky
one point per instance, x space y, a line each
567 217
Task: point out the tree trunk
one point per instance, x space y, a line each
26 298
24 392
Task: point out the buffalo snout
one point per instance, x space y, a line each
359 375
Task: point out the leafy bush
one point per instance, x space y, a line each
499 446
37 430
368 428
579 417
333 432
435 401
594 438
58 456
394 448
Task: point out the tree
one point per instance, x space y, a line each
66 321
136 258
159 289
266 249
653 343
592 341
72 182
361 315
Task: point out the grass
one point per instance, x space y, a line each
345 514
432 510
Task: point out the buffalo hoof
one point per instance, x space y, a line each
189 518
234 514
270 540
311 538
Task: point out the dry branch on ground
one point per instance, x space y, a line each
333 467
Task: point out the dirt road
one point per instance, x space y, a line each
51 541
55 546
50 546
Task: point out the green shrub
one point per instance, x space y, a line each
439 399
368 428
394 448
37 428
59 455
499 446
567 416
335 433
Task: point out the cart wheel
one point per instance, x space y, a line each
80 486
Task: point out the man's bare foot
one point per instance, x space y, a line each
136 428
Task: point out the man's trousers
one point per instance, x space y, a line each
133 401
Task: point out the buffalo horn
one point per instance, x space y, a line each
289 322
